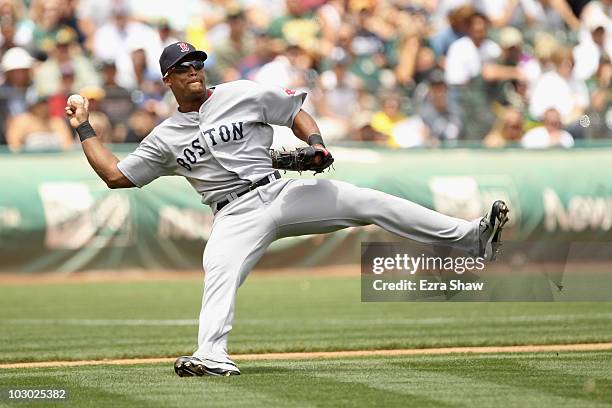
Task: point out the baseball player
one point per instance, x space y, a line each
219 140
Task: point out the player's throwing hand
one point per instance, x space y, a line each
77 110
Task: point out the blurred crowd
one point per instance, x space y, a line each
401 73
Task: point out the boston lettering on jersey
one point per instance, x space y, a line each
222 134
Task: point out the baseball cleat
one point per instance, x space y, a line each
190 366
491 226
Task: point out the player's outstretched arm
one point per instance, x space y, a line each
101 159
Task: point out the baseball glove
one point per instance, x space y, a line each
302 159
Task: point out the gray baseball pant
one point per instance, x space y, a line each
244 228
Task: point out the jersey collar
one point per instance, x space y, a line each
192 117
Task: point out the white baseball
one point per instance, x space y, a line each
76 100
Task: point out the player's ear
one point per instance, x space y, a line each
166 80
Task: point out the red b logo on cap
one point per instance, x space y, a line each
184 47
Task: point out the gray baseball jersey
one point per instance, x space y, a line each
220 148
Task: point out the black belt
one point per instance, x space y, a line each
257 184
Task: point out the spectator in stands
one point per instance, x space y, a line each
37 130
68 18
509 79
516 95
387 47
388 117
544 47
547 15
151 97
511 66
551 16
297 26
166 34
337 97
213 28
65 54
140 124
14 19
97 118
412 132
501 13
265 49
7 33
234 48
464 74
292 69
551 134
415 60
117 103
139 62
367 46
439 113
591 49
17 68
599 112
558 89
440 9
458 20
91 15
346 35
330 17
46 15
507 131
123 40
594 12
57 101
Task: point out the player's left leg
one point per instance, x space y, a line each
318 206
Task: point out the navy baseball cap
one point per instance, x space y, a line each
177 52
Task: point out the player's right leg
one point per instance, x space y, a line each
240 235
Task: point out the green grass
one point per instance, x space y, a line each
72 321
542 380
273 314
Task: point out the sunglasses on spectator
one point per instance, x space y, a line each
183 67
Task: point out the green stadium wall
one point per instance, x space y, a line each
56 215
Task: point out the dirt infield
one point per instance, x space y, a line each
334 354
148 275
141 275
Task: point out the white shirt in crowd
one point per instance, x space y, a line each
540 138
587 55
596 13
464 60
543 16
111 43
553 91
439 16
496 9
341 95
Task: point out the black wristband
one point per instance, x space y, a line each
315 138
85 131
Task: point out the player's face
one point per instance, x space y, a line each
186 80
